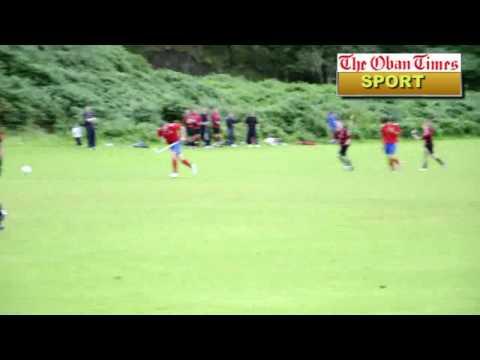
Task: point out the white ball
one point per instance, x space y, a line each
26 169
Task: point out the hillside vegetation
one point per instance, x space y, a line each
48 86
315 64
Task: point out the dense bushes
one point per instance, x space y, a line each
48 87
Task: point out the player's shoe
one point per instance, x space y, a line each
174 175
423 169
194 169
234 145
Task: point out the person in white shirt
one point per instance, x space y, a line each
77 133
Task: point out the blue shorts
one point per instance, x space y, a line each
176 149
390 149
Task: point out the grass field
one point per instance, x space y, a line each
260 231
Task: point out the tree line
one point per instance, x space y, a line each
290 63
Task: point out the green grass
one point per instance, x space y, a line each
260 231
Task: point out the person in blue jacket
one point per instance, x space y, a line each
332 123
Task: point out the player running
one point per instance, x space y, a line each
174 134
344 139
390 132
428 133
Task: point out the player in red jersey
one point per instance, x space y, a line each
190 124
427 137
216 119
174 134
197 124
344 139
390 132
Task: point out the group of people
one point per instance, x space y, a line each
390 132
206 127
196 127
203 127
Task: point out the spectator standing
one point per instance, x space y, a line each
90 121
252 123
230 122
216 119
191 125
205 128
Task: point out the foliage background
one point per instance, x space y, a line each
47 87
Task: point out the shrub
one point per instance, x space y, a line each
50 86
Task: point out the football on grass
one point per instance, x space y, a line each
26 169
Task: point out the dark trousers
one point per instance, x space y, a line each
252 136
205 134
343 150
230 136
91 137
78 141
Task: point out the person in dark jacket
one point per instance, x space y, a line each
230 122
252 123
90 121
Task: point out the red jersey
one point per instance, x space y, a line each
343 136
189 121
390 133
198 120
170 132
216 119
428 133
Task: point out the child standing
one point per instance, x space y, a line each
77 134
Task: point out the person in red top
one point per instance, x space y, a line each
216 119
390 133
174 134
344 139
428 133
191 125
197 124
